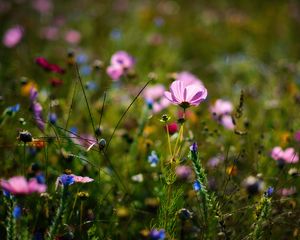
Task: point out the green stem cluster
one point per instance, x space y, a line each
59 213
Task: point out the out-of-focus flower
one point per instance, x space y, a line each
138 178
80 179
155 96
50 33
183 172
20 186
221 107
172 128
284 156
121 62
69 179
221 111
42 6
157 234
184 214
73 37
197 186
215 161
269 192
297 136
188 78
153 159
186 95
13 36
26 88
49 66
55 82
115 72
253 185
123 59
287 191
17 211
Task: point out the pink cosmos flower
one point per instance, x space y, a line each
73 37
13 36
50 33
42 6
121 62
20 186
287 191
80 179
188 78
123 59
115 72
226 121
155 95
288 156
221 107
221 111
185 94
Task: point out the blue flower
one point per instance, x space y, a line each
85 70
66 180
197 186
149 103
81 58
6 193
90 85
116 34
14 108
17 212
269 192
52 118
40 178
157 234
153 159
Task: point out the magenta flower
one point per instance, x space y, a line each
288 156
123 59
186 95
42 6
13 36
20 186
115 72
42 62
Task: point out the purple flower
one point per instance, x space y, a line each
269 192
194 147
185 95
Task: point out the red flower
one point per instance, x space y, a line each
49 66
55 82
172 128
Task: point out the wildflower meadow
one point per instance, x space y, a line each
150 119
